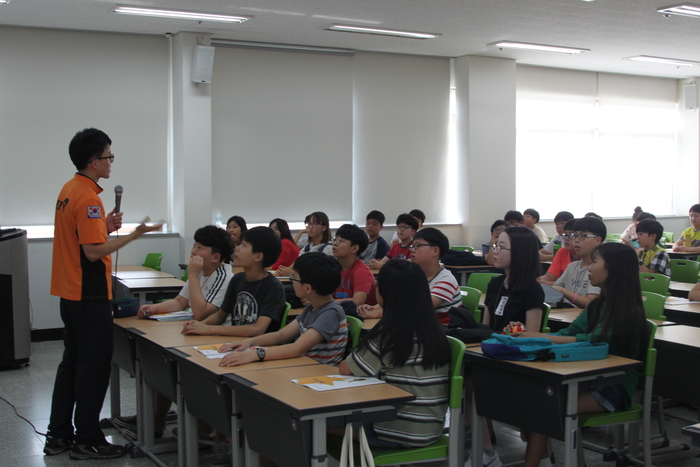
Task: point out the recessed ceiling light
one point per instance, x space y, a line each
683 9
538 47
665 61
383 32
179 14
4 2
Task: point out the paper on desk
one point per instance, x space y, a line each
676 301
330 382
173 316
211 350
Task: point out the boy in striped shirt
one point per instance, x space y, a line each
321 330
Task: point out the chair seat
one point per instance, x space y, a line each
385 456
611 418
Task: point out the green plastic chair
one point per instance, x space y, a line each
654 305
283 323
354 328
611 237
480 280
447 446
639 412
556 249
669 237
470 299
546 308
462 248
685 270
153 261
186 274
657 283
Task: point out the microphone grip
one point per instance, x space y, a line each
118 199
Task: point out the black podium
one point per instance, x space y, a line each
15 336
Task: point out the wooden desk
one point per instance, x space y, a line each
680 289
678 363
129 267
162 285
561 318
680 255
294 416
464 271
149 274
369 323
210 397
685 313
546 397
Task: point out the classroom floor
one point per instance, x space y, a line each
29 389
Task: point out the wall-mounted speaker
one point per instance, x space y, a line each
691 95
202 64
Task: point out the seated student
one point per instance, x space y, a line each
652 257
694 294
560 220
574 283
530 219
302 238
514 218
630 232
377 248
428 247
207 279
594 215
207 282
564 256
408 349
236 227
420 217
689 242
290 252
497 228
616 317
321 330
515 293
640 217
254 299
357 282
406 226
318 230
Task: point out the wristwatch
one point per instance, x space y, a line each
261 353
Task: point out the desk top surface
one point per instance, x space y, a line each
560 370
369 323
693 307
172 336
684 335
130 267
150 274
568 315
684 286
135 322
278 385
153 283
187 353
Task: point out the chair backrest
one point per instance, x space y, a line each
354 328
654 305
613 237
470 299
657 283
186 274
153 261
480 280
462 248
546 308
556 248
669 237
650 362
456 379
287 307
685 270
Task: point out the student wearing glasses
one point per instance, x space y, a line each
357 282
564 256
574 283
560 220
497 228
319 238
406 226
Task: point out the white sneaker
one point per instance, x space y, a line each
488 461
546 462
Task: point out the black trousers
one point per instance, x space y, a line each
83 374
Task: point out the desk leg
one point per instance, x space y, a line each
319 456
252 458
140 414
181 413
477 435
239 445
142 298
191 447
571 426
114 392
146 418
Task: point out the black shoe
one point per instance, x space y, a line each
103 451
55 446
128 423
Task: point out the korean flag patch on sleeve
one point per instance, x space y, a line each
94 212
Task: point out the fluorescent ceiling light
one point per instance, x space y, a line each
383 32
665 61
539 47
178 14
683 9
4 2
279 47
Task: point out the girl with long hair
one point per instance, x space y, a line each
408 349
290 251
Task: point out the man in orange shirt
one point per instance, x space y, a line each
81 276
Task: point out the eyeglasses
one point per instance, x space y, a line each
293 278
497 248
311 225
403 227
415 246
110 157
581 237
337 240
498 231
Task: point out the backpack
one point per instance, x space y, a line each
540 348
462 258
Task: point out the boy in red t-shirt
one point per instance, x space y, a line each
406 226
563 257
357 282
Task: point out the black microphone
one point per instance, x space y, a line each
118 190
